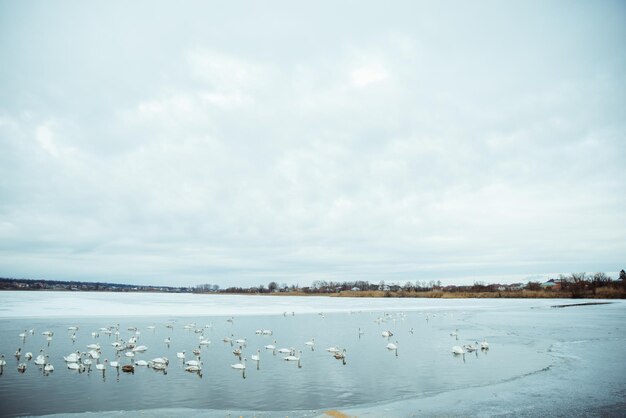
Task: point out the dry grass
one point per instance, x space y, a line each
336 414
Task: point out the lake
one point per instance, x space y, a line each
541 360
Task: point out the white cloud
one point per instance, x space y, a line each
391 155
368 74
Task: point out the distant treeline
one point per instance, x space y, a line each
40 284
575 285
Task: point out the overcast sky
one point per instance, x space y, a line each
235 143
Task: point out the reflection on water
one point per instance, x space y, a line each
312 361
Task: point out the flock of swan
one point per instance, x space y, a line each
127 349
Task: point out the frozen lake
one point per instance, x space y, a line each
541 361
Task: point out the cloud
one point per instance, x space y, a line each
383 152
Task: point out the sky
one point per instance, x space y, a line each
237 143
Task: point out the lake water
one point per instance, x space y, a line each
541 360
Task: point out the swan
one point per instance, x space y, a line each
258 332
40 360
484 345
157 366
181 354
227 339
48 367
237 351
141 363
75 366
257 356
392 346
241 341
293 358
205 342
93 346
387 334
286 350
267 332
161 360
455 333
3 362
332 349
18 353
340 355
94 354
151 327
72 328
310 343
167 340
47 333
28 355
72 358
239 366
457 349
140 349
193 363
21 367
193 368
115 364
271 346
470 347
129 354
102 366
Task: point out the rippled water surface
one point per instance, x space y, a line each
526 338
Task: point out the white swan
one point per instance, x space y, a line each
28 355
167 340
193 363
102 366
193 368
293 358
140 349
141 363
257 356
161 360
285 350
205 342
93 346
181 354
48 367
332 349
484 345
239 366
387 334
392 346
115 364
21 367
271 346
40 360
310 343
72 358
457 349
3 362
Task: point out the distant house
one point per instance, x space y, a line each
551 285
355 289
